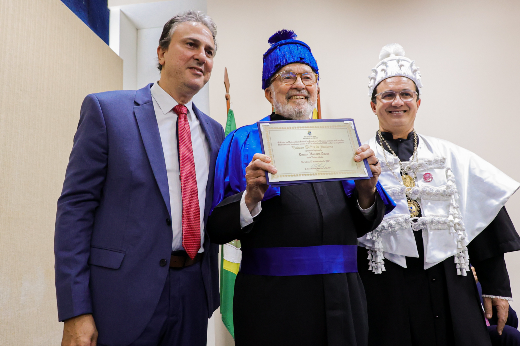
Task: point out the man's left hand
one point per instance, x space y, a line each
367 187
502 307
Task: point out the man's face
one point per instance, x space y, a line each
296 101
188 61
396 116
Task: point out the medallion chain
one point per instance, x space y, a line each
406 179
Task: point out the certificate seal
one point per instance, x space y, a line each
427 177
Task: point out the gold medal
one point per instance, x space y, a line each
408 181
413 207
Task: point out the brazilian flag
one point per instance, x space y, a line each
231 256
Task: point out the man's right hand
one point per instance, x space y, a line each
255 178
80 331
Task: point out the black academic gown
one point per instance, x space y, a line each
437 307
302 310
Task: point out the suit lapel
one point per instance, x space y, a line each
145 115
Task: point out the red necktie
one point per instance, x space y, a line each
190 193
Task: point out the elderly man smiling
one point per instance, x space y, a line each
450 210
299 308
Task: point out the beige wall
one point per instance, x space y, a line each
468 53
49 61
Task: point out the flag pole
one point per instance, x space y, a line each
319 106
226 84
230 253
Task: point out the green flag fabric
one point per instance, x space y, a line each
230 123
231 256
230 263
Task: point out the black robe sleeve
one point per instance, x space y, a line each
486 253
364 225
497 238
493 277
224 222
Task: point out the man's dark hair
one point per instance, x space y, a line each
188 16
374 92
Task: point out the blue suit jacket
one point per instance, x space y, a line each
113 219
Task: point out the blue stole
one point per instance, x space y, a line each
291 261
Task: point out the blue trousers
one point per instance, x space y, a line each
181 316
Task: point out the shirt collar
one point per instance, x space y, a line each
403 148
390 137
165 101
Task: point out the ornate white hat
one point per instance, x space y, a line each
393 63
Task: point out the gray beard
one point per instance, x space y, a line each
295 113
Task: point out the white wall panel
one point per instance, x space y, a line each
128 52
147 42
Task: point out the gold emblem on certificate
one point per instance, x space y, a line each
312 150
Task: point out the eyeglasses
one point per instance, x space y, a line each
404 95
287 77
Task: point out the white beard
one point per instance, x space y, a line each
286 110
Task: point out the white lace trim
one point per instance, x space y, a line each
392 163
509 299
390 224
396 192
424 164
453 222
441 193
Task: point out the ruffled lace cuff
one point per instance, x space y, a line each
499 297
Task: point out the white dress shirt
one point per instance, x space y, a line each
163 105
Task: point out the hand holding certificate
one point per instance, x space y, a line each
312 150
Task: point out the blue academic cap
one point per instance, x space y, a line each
285 50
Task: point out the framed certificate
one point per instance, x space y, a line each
312 150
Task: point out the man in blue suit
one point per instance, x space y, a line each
134 265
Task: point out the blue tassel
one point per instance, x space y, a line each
281 36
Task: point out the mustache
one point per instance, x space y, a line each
298 93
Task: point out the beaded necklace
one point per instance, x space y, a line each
406 179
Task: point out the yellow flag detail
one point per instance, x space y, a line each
231 267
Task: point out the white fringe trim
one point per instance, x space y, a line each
453 223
